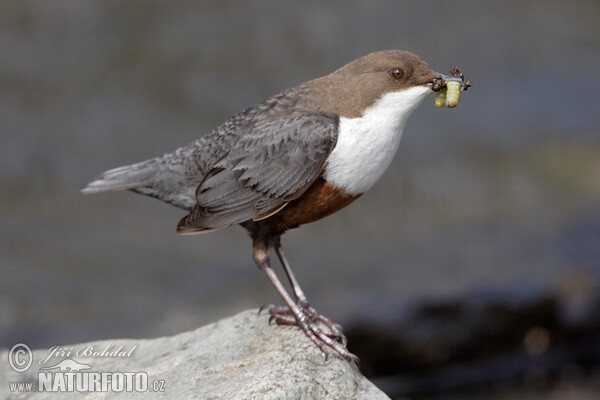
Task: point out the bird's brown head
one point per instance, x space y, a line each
356 86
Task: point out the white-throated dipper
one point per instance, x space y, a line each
292 159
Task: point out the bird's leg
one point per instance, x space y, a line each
298 292
260 253
335 329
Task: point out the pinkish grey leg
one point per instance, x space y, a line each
335 329
283 315
308 325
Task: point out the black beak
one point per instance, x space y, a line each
440 81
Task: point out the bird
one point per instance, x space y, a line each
294 158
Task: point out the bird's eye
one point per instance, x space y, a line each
397 73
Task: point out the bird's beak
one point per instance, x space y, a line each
448 88
441 81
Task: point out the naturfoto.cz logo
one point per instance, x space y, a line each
69 375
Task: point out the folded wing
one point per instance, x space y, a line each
270 165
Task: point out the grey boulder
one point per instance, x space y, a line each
242 357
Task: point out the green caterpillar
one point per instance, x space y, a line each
440 98
453 94
448 96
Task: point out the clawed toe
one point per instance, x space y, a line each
312 323
275 310
283 320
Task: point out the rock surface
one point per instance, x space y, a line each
242 357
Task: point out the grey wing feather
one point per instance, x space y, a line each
272 164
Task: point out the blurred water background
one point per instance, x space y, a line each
501 194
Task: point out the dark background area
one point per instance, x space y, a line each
496 199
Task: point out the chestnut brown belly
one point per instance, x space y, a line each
320 200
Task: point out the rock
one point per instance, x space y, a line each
242 357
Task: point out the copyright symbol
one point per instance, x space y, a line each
20 357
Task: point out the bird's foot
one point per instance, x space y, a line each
310 320
282 315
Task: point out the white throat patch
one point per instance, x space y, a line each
366 145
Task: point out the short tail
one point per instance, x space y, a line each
123 178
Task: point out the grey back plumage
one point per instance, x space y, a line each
270 165
248 168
